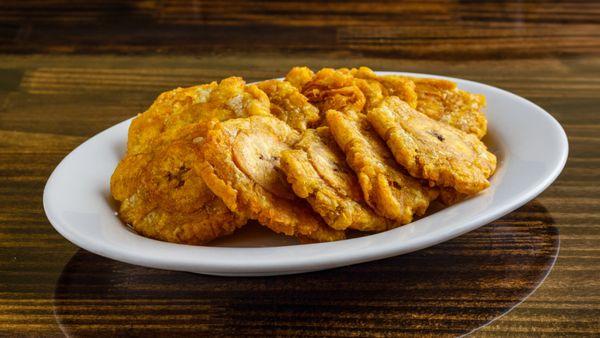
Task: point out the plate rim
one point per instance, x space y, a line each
311 263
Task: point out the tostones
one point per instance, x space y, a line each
163 196
299 77
449 196
386 187
318 172
333 89
242 166
443 101
175 109
376 87
433 150
289 105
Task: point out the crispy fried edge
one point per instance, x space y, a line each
339 211
214 214
373 172
387 122
223 177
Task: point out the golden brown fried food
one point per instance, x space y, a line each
443 101
146 128
289 105
355 90
188 178
126 177
163 196
449 196
386 188
175 109
318 172
242 167
299 76
439 99
433 150
332 89
373 91
376 87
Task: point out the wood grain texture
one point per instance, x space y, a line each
69 70
437 29
431 291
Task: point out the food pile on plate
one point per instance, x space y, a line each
313 156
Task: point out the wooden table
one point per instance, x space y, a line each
68 71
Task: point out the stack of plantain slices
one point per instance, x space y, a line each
314 156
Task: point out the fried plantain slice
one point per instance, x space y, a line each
126 177
332 89
241 166
163 197
437 98
385 186
318 172
376 87
289 105
373 91
299 76
443 101
433 150
175 109
147 127
449 196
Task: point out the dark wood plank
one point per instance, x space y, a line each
441 290
69 70
35 137
443 30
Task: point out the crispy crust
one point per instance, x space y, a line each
289 105
332 89
360 90
443 101
241 160
126 177
147 128
376 87
299 77
163 197
355 90
188 178
433 150
317 171
449 196
386 188
437 98
174 110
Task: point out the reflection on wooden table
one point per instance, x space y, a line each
452 288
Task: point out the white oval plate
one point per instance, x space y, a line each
531 146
